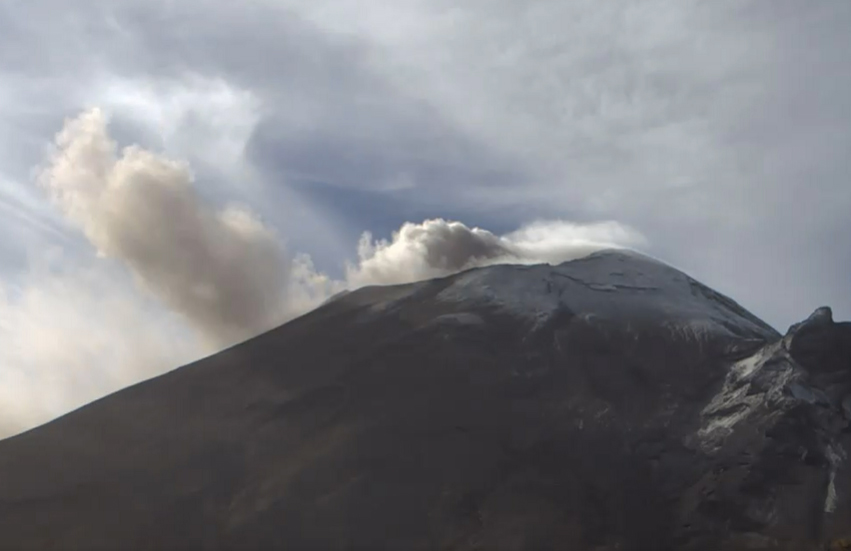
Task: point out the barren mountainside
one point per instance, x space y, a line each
611 402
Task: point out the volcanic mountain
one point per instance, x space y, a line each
610 402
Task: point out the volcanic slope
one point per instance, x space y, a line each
611 402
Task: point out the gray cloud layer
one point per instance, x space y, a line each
720 130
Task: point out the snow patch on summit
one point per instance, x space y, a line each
614 285
528 295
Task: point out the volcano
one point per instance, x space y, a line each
607 403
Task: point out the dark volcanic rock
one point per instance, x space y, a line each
608 403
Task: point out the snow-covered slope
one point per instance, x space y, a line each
613 285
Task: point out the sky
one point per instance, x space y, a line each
178 176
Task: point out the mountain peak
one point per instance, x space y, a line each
821 317
610 402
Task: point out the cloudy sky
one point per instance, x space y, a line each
176 176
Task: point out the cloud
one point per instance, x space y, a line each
719 129
697 121
221 268
438 247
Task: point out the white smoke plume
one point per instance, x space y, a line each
438 247
201 277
